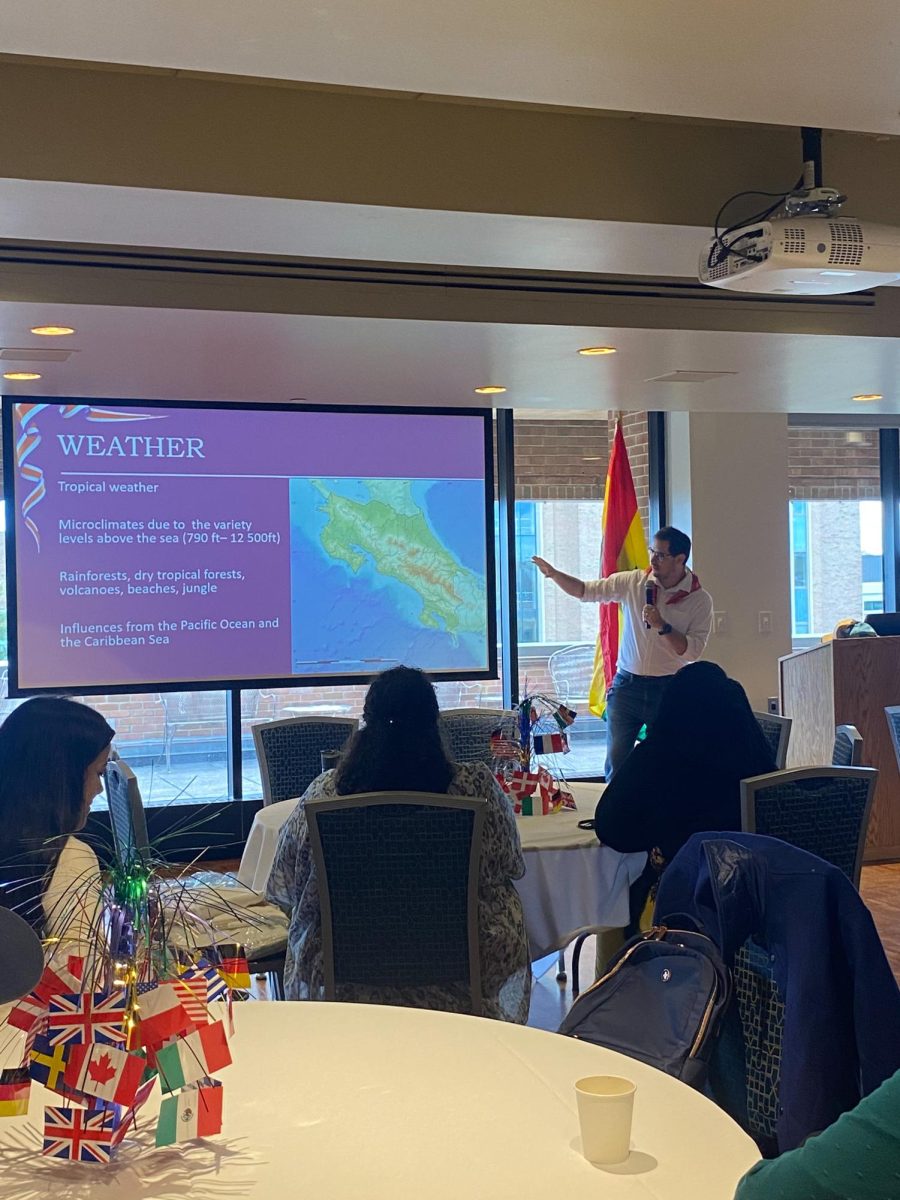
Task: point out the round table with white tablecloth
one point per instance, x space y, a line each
572 884
343 1101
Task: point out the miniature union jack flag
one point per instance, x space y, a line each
80 1134
85 1018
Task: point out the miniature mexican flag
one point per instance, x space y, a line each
193 1113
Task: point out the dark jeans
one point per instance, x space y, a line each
632 701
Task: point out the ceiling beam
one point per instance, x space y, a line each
164 129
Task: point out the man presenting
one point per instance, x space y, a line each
667 623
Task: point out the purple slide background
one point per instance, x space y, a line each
238 444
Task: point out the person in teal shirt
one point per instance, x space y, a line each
856 1158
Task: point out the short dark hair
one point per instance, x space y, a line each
678 542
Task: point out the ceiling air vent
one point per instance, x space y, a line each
690 376
26 354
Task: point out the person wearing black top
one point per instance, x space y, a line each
685 777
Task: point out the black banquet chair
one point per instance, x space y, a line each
289 752
823 810
777 732
398 889
848 744
466 732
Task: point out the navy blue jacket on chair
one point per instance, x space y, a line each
841 1033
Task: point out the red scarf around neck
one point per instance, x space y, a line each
678 596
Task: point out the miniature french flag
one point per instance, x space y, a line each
551 743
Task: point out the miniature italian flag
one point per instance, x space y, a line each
193 1113
190 1058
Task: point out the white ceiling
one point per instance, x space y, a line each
808 62
201 355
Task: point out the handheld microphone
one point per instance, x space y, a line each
649 598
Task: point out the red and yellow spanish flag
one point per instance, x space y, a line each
624 549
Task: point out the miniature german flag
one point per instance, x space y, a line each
232 967
15 1086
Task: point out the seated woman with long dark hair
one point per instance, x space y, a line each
400 749
53 753
685 777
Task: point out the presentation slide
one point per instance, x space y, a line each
162 543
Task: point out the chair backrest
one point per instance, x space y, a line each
467 732
848 746
892 712
755 1085
126 812
823 810
290 752
571 670
777 731
398 889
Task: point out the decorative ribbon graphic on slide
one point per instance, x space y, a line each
29 438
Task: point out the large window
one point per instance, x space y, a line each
560 474
837 566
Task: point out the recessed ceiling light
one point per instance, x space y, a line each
864 397
52 330
21 376
588 351
490 389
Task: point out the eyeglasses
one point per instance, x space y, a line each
660 554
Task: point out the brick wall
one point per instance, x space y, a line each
833 464
560 460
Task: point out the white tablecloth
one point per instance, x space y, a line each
344 1101
572 884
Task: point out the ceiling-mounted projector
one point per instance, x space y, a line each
809 255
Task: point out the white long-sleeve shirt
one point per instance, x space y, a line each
642 651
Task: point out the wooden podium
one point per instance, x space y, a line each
848 682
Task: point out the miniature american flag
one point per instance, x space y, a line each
86 1018
216 987
80 1134
503 746
191 991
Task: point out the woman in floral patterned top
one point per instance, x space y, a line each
399 749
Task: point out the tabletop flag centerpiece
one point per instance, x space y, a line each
536 730
144 1011
623 548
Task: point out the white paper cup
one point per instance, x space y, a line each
605 1107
